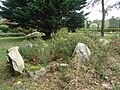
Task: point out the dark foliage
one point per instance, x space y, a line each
44 15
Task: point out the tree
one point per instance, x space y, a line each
93 26
98 23
103 18
114 22
92 3
44 15
104 11
75 20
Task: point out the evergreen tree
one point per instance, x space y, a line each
44 15
75 20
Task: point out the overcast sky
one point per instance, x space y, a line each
95 14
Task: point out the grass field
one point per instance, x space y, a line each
8 42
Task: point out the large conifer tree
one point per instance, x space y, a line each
44 15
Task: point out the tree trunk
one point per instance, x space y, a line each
103 19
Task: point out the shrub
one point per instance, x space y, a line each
112 29
22 30
4 28
59 47
115 45
93 26
65 42
1 31
62 45
35 52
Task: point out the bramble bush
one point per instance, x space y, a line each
4 28
34 51
60 47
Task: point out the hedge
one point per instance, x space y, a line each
4 28
106 30
11 34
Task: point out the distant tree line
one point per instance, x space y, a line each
113 22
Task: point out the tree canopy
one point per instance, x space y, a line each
114 22
44 15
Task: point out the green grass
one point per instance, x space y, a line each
4 73
6 80
6 43
2 54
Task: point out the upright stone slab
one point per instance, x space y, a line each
82 52
16 59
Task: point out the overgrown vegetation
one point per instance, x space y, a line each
4 28
60 46
102 68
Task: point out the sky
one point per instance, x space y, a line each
96 14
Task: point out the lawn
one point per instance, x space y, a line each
6 43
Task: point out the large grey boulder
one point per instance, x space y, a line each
82 52
16 59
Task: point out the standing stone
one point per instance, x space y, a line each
15 59
82 52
